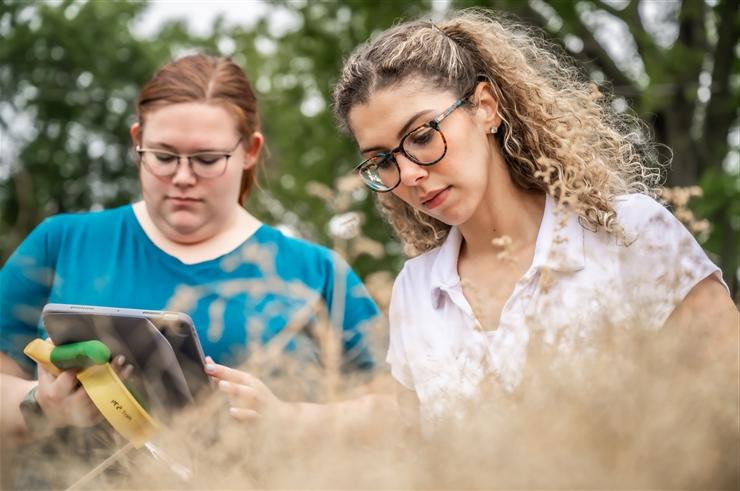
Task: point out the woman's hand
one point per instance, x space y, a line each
65 402
249 398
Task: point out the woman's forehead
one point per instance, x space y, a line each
410 92
192 118
190 112
389 109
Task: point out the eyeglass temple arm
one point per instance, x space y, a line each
449 110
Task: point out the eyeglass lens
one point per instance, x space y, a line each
203 164
425 145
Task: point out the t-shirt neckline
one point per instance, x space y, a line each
175 260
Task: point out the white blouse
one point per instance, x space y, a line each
579 281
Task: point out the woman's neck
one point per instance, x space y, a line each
239 228
508 216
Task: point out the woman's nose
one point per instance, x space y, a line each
184 174
411 172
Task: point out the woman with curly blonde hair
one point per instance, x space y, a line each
525 197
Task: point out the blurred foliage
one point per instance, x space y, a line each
70 72
69 75
294 73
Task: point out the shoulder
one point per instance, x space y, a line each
413 287
652 234
636 212
90 219
57 229
417 270
660 261
635 202
651 229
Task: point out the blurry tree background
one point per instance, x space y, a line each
70 71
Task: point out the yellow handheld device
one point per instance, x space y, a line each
105 388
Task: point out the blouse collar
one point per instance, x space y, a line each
559 248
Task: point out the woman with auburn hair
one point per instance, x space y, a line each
525 199
188 245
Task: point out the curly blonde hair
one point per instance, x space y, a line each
561 135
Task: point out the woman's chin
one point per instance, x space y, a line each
452 213
187 231
451 219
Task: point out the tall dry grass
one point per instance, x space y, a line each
644 413
643 410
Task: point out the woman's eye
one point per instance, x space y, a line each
165 158
384 163
422 137
206 158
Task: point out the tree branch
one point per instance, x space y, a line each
615 12
691 22
593 52
728 32
720 113
630 15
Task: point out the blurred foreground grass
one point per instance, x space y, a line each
649 410
638 409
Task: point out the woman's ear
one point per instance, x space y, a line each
487 106
253 149
135 132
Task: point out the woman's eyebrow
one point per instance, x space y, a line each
402 131
413 118
170 148
160 145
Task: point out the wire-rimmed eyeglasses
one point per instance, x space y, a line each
424 145
163 163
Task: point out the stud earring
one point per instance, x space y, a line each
494 130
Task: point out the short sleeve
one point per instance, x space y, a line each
25 283
662 261
397 356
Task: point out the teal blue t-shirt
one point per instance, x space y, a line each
247 296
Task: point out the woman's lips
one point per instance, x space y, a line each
183 200
437 199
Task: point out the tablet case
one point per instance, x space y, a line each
162 347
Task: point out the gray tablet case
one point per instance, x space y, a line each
162 347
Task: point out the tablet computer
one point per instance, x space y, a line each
163 348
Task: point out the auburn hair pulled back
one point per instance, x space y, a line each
210 80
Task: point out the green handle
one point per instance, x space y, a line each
80 355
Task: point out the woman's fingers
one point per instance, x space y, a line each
241 396
45 377
118 362
248 396
121 368
85 412
243 392
245 401
229 374
80 398
126 372
61 387
244 414
64 401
